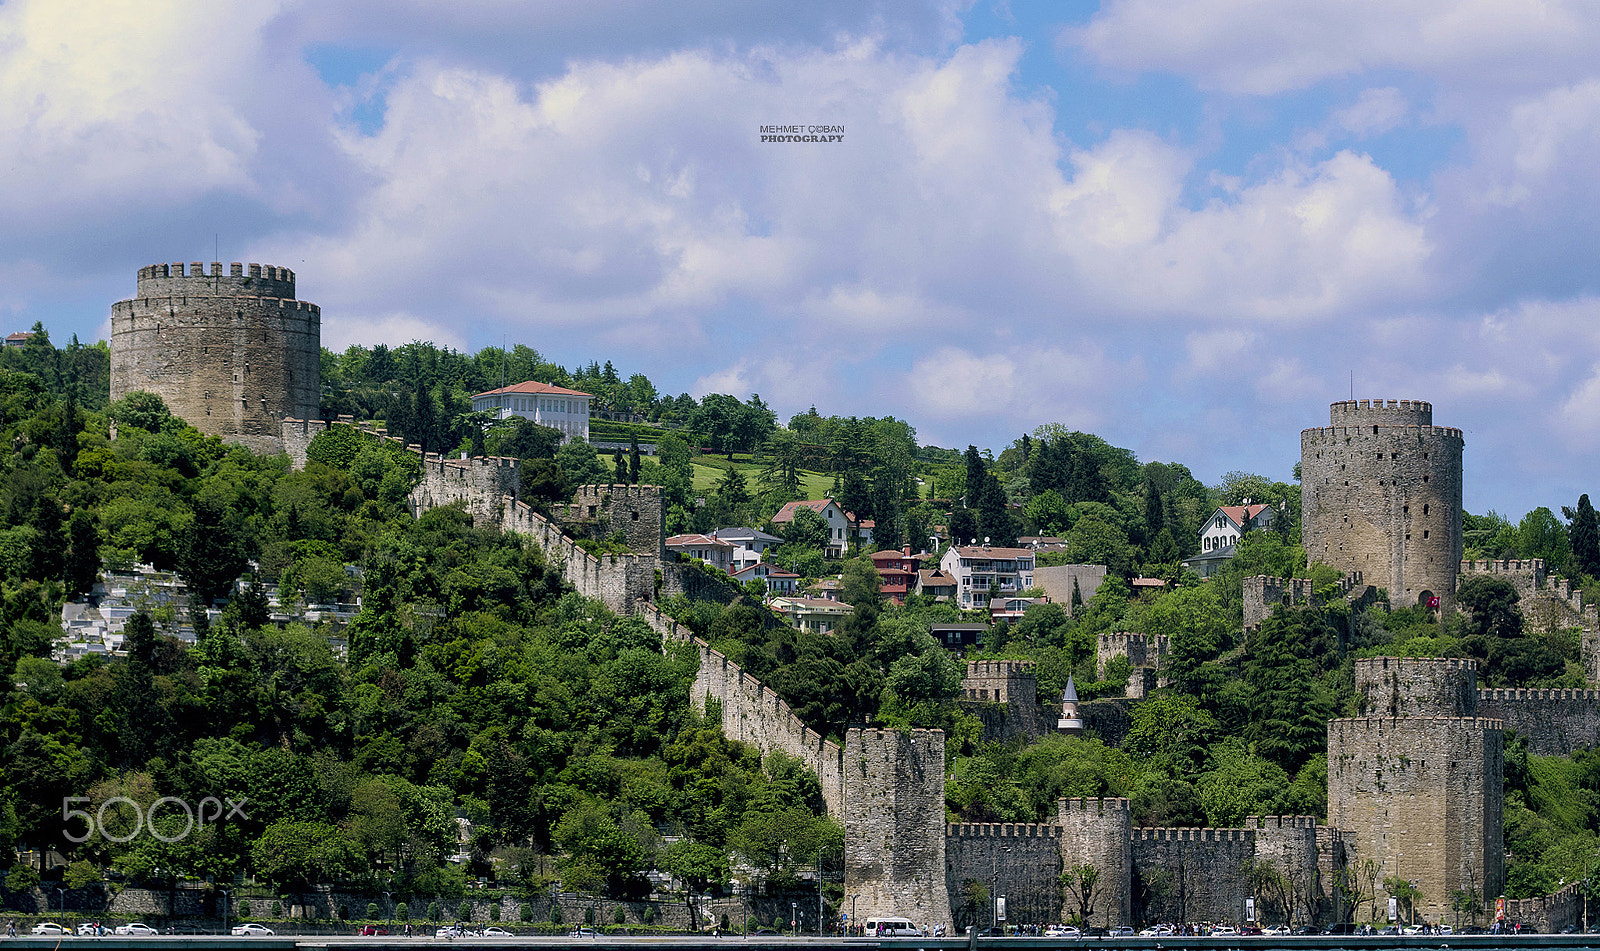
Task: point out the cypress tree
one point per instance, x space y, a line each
1585 535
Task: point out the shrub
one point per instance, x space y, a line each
619 916
649 915
433 911
372 911
525 912
555 913
494 912
588 915
244 909
277 909
402 911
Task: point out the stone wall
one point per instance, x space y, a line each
1057 581
232 354
1556 722
1192 874
1004 694
1381 494
1099 832
1020 862
1549 914
753 714
601 511
1416 687
894 825
1421 798
1141 650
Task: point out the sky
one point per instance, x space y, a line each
1186 226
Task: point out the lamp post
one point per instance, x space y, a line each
226 902
389 901
994 884
794 916
61 899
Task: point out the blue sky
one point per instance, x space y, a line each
1184 225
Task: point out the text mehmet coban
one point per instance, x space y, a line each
802 133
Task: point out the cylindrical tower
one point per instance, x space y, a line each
1380 493
1416 687
232 354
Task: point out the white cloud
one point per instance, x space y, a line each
1374 112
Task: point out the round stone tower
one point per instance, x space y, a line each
1380 493
232 354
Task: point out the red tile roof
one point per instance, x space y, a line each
1241 512
984 551
687 541
537 388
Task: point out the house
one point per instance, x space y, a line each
824 588
977 568
1012 609
749 545
1059 582
778 581
957 635
713 551
547 405
936 584
817 615
843 527
1222 531
1042 542
17 339
898 571
1228 523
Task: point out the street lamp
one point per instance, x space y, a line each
389 900
61 899
226 901
794 915
994 882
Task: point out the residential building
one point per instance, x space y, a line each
1012 609
1228 523
553 406
956 635
750 545
1222 531
17 339
898 571
713 551
817 615
1042 542
936 584
1059 582
843 527
778 581
978 568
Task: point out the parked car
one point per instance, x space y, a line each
252 930
1062 931
585 933
1120 932
373 931
136 928
90 929
497 933
49 927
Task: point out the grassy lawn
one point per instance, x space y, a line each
708 472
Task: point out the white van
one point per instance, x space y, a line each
891 928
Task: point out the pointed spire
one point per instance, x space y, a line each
1069 695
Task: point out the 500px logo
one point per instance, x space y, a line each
194 816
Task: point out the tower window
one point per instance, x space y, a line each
1424 510
1424 533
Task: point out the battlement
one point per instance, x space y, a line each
261 280
1416 663
1193 834
1351 432
1003 830
594 494
1382 412
1504 566
1140 649
1417 723
879 734
1000 669
1092 807
1531 694
1280 822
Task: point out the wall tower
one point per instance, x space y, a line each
232 354
894 825
1381 494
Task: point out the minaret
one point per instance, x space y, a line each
1070 722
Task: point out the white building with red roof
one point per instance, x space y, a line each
1226 525
708 548
554 406
843 527
778 580
977 569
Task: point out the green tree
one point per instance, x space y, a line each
1583 535
699 866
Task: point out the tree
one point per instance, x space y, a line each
1082 882
699 866
213 558
1492 601
1583 533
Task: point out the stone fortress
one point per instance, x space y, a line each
1414 784
232 354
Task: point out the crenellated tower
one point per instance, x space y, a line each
1381 494
232 354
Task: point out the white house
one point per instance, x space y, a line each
553 406
976 567
1225 526
750 545
712 551
778 580
840 524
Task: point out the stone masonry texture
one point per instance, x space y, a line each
1381 494
894 825
232 354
